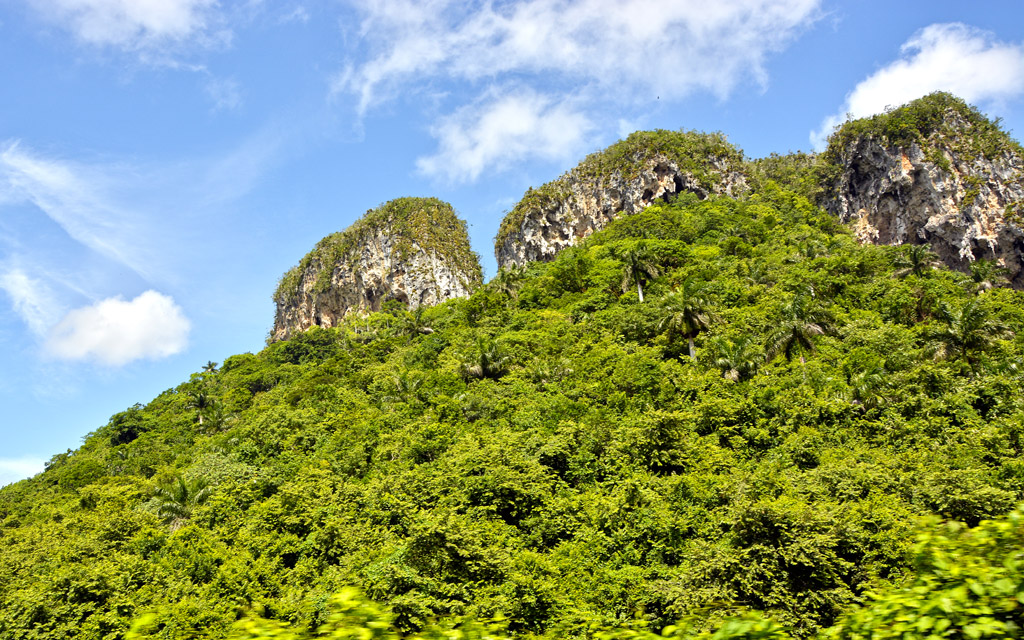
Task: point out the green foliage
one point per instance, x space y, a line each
540 452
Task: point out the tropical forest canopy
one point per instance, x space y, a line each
761 447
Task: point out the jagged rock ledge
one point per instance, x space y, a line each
646 167
413 250
933 171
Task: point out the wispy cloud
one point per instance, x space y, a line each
957 58
225 93
14 469
594 53
503 128
80 198
149 28
32 299
115 332
669 48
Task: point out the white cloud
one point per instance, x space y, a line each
639 48
14 469
957 58
32 299
115 332
575 61
135 25
501 129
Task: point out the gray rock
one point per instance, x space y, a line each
586 199
413 250
934 192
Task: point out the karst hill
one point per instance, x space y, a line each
706 397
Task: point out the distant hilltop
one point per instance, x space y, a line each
412 250
934 171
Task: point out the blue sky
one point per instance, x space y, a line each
163 162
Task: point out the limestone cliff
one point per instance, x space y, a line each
646 167
413 250
934 171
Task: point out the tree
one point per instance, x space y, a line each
407 388
969 331
177 500
509 280
210 367
917 259
800 324
737 359
638 267
412 323
199 400
686 313
488 360
867 387
987 274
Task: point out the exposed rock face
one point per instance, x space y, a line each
624 179
413 250
940 189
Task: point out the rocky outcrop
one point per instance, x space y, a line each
647 167
955 182
413 250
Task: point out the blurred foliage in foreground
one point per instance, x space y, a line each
968 583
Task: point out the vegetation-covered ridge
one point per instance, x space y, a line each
427 223
712 408
702 155
939 121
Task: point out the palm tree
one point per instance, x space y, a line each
509 280
638 267
987 274
177 500
969 330
801 323
412 323
737 359
489 361
687 312
866 387
210 367
917 259
199 400
407 388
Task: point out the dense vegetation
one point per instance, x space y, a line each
762 433
702 155
424 224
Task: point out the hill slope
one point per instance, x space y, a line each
547 449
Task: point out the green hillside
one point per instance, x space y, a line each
548 451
